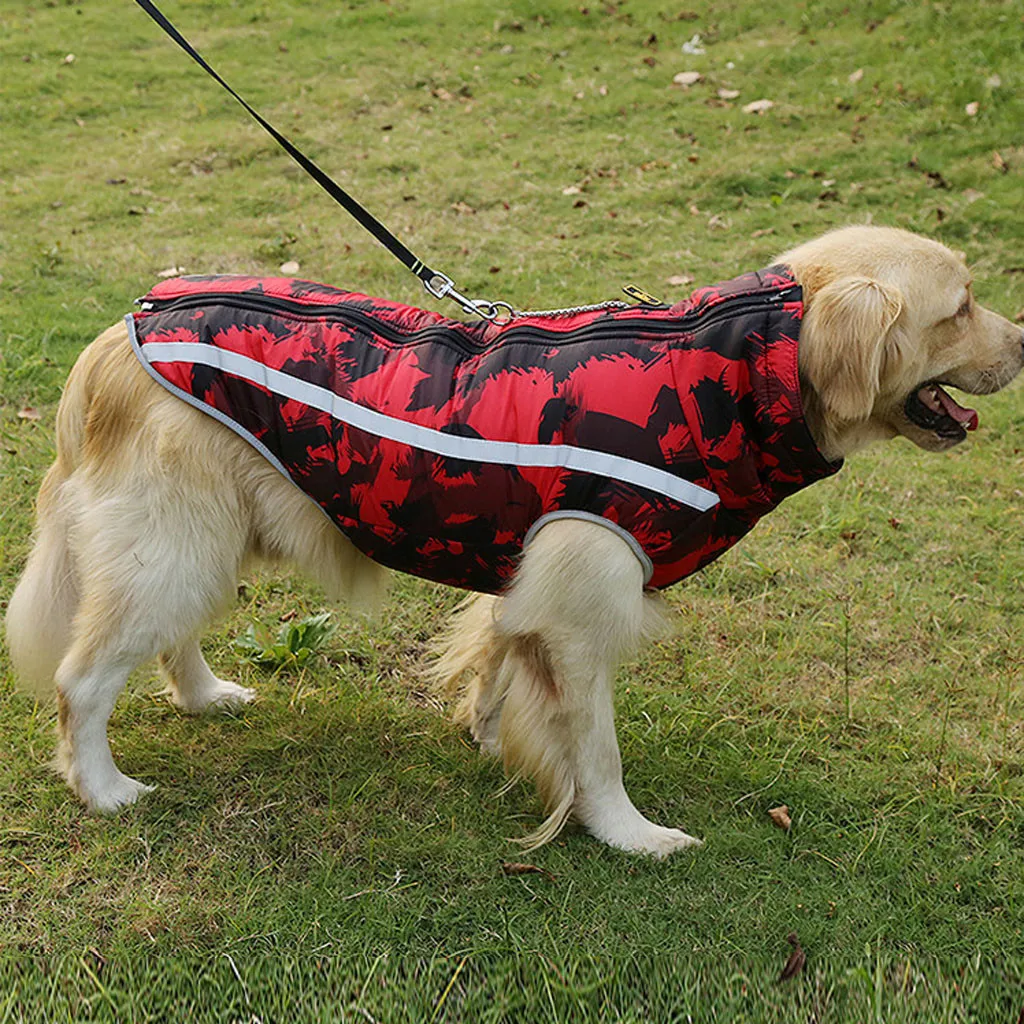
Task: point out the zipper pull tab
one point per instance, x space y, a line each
639 295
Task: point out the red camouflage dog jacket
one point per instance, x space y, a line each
439 447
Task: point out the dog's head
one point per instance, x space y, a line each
889 322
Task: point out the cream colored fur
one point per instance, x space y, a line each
152 509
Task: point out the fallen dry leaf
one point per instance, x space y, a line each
856 76
972 195
761 232
758 107
171 272
572 190
28 413
687 78
461 207
716 222
69 59
289 267
993 82
780 815
728 94
936 180
515 868
796 961
678 280
972 109
998 162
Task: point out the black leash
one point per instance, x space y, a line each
439 285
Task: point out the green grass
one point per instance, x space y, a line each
339 843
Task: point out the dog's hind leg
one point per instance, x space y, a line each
192 684
576 607
158 555
88 683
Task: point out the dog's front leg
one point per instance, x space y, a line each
576 606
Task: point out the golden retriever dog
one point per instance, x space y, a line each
152 510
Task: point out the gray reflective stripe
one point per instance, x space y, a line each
470 449
588 517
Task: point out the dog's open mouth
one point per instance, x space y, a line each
932 408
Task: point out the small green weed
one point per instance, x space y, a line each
295 644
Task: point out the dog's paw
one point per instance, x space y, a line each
222 695
121 791
650 839
664 841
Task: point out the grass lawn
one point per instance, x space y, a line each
338 845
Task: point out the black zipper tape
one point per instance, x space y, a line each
529 334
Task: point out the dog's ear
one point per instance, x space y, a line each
848 344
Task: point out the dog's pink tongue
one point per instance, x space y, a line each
967 418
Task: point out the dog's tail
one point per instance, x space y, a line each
42 608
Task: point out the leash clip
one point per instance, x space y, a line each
441 286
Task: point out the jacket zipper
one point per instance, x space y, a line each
726 310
